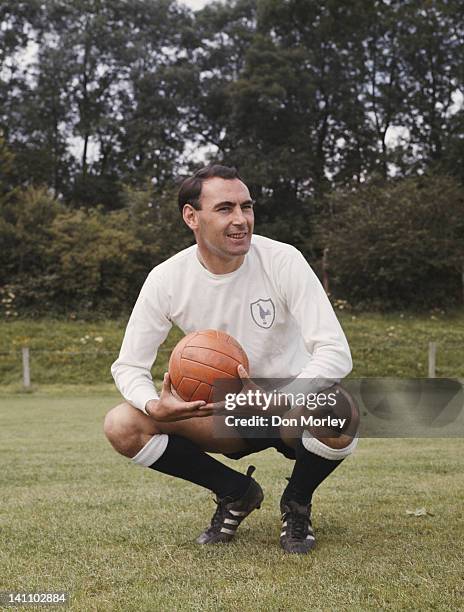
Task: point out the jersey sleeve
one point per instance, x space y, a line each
323 336
148 326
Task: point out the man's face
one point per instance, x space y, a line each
224 225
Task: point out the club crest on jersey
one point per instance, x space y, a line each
263 312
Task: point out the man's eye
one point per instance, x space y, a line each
249 206
224 209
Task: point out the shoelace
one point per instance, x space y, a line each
297 524
219 514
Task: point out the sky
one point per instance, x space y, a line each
195 4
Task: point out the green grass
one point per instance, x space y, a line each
66 352
76 516
397 344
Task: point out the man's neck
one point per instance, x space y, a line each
219 265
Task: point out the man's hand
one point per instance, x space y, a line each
249 385
169 408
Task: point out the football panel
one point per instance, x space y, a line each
187 388
174 367
202 392
202 372
223 346
212 359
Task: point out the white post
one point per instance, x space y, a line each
26 368
432 358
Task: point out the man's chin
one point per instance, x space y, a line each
240 247
239 250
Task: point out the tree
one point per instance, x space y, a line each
223 34
431 39
105 100
7 177
17 20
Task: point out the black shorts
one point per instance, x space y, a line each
267 437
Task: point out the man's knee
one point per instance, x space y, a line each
128 429
340 438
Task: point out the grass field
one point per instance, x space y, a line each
81 352
75 516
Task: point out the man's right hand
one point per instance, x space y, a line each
169 408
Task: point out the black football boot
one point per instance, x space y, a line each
230 513
297 534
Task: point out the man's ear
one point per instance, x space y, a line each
190 216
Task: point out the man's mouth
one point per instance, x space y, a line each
237 236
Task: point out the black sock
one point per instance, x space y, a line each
308 473
183 459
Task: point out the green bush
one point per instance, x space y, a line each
390 245
398 244
58 260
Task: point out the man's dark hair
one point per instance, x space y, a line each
190 189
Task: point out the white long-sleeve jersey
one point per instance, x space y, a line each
274 305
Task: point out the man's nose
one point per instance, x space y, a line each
239 217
